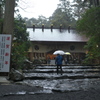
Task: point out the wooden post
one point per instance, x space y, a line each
60 27
69 28
42 27
51 27
33 27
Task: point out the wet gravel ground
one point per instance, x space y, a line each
23 92
91 95
83 80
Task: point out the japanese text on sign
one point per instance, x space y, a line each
5 49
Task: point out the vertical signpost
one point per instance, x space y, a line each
5 50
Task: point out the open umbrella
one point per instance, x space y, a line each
59 52
67 53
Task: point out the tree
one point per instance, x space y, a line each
78 8
89 25
58 18
21 43
41 20
93 2
8 24
66 8
63 15
1 15
1 8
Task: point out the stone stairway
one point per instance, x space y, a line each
73 72
73 77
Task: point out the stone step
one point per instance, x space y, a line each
59 76
68 67
64 70
70 72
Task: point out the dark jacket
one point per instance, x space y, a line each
58 60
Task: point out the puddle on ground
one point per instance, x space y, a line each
17 93
62 85
44 91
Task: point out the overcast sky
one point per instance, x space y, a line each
34 8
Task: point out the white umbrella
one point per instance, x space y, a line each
67 53
59 52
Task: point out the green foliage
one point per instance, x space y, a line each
1 25
20 45
92 2
58 18
63 15
89 25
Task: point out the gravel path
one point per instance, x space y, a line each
8 92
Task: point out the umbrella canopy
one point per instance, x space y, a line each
67 53
59 52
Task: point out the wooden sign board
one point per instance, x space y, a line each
5 52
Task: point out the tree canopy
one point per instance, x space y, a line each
89 25
21 43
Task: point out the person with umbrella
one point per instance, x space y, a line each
58 62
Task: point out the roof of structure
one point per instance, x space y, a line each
56 35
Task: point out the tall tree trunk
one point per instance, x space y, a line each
0 18
8 24
0 12
98 2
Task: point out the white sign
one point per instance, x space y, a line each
5 50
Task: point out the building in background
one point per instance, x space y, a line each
46 41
